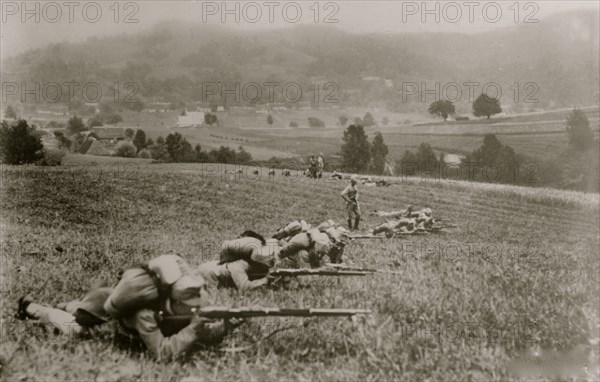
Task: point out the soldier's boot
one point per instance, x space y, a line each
349 223
356 221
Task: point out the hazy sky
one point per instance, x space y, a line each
51 22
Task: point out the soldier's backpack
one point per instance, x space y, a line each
239 249
146 286
292 229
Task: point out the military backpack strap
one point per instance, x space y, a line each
164 291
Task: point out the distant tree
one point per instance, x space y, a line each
242 156
293 124
358 121
125 149
178 148
75 125
19 143
158 150
441 108
343 120
356 150
113 119
426 157
407 165
385 121
94 121
581 136
10 112
63 142
214 107
368 120
149 142
210 119
184 113
269 119
135 105
379 151
486 106
139 140
498 160
315 122
144 154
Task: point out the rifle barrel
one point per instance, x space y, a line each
225 312
369 270
317 272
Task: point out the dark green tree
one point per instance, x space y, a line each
269 119
19 143
139 140
356 150
486 106
343 120
94 121
315 122
10 112
379 151
129 133
407 165
581 136
368 120
441 108
75 125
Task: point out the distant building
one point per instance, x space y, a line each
158 107
109 134
191 119
94 105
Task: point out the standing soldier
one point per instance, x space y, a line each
321 165
312 162
350 195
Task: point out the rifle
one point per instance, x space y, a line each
170 325
366 237
316 272
361 269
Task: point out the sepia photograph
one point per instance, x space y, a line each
309 190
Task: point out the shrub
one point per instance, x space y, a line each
125 149
315 122
144 154
293 124
51 157
19 143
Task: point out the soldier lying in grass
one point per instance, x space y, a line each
144 296
407 223
245 262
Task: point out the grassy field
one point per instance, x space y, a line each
513 291
539 135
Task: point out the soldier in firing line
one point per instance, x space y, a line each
350 196
166 286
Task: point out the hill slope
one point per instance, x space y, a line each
519 273
171 61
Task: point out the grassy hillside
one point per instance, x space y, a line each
514 288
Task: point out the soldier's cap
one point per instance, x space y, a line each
187 289
90 311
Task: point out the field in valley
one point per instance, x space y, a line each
538 135
512 293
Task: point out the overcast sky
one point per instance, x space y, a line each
81 20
